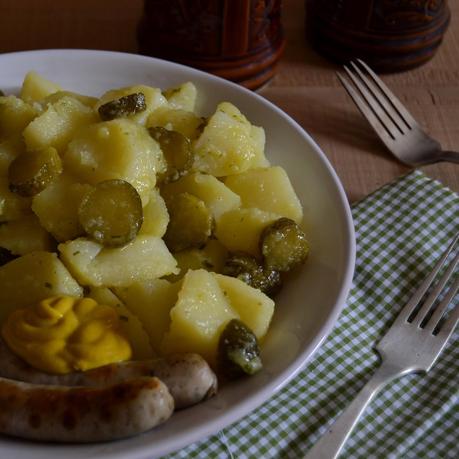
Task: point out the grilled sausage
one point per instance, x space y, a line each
81 414
188 377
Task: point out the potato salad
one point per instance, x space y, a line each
174 220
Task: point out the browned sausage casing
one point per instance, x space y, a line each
81 414
188 377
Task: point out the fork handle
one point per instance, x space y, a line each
450 156
331 443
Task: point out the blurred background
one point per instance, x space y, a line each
43 24
304 84
241 40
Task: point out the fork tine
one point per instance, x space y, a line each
373 104
441 308
422 313
380 97
450 324
366 112
402 111
416 298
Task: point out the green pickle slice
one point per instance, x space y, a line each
238 350
124 106
176 149
32 171
190 225
111 213
283 245
246 268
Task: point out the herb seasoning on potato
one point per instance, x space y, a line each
177 226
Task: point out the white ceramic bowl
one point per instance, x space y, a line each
310 302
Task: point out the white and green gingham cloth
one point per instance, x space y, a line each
400 230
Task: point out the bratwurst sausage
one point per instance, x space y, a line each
80 414
188 377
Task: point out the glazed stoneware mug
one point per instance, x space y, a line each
390 35
240 40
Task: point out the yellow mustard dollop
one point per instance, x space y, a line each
64 334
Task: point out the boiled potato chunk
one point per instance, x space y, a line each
258 137
117 149
217 197
79 256
182 97
85 100
151 301
153 100
254 308
15 115
34 277
130 324
229 144
25 235
57 207
145 258
155 216
268 189
58 124
9 149
187 123
35 87
198 317
12 206
211 258
240 229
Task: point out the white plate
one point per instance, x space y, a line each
310 302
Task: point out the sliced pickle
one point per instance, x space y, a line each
176 149
283 245
238 350
32 171
111 213
124 106
191 222
246 268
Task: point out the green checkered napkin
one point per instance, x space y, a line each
401 229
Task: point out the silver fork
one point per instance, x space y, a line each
392 122
412 344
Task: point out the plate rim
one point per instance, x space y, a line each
290 372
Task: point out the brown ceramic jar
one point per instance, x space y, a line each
240 40
390 35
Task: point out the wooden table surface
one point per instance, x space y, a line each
305 85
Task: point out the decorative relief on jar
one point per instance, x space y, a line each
238 39
188 25
400 14
265 23
389 34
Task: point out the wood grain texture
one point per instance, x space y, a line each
305 85
88 24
